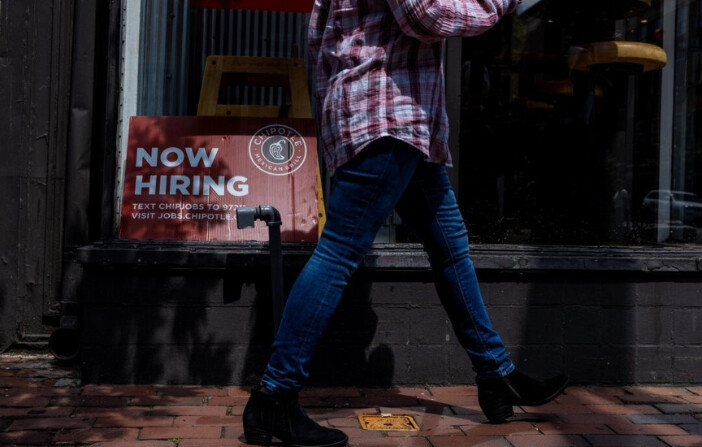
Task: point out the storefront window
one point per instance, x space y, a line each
167 46
575 129
576 123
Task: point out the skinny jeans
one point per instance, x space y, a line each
385 175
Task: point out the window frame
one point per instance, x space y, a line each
131 31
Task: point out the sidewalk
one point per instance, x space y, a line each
42 404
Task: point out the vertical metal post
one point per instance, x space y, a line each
245 217
665 164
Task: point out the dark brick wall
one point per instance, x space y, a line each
199 326
609 329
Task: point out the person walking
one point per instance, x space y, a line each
384 133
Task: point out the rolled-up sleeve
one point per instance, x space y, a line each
431 20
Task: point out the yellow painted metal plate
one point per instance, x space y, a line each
388 422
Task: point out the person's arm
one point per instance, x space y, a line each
318 21
431 20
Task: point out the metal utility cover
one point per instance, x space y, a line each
388 422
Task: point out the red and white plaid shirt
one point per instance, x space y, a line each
379 66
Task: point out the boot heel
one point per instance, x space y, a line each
257 438
495 403
498 414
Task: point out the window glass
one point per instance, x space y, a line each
168 44
175 45
573 126
576 124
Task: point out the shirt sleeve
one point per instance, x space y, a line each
318 22
431 20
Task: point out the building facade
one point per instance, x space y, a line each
575 161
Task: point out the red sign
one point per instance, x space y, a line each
185 177
257 5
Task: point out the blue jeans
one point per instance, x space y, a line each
387 174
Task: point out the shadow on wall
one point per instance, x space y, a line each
261 330
555 321
580 323
347 356
159 327
343 357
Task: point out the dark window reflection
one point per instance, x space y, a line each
560 141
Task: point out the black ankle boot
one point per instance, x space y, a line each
269 416
497 395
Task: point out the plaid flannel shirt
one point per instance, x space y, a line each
379 70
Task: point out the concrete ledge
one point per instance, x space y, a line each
397 256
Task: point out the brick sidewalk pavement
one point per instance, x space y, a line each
42 404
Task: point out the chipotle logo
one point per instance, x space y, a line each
277 150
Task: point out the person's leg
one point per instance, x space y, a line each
429 207
364 194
